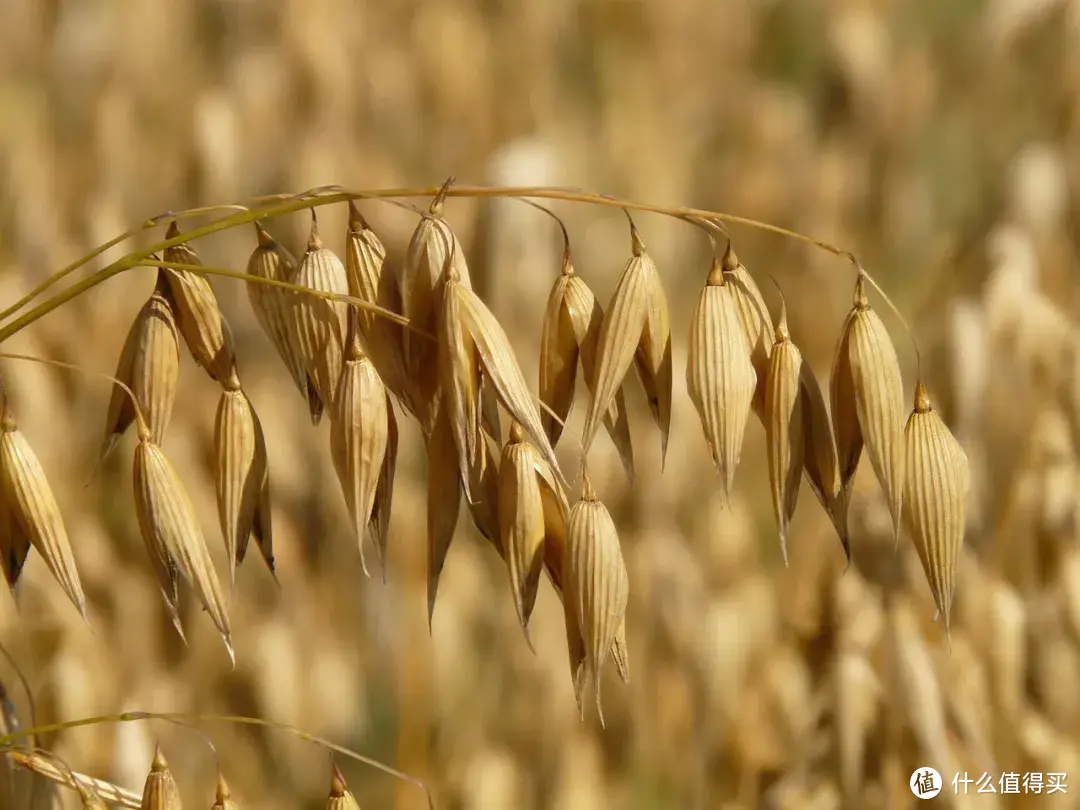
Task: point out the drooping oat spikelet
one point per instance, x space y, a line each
595 579
172 532
320 325
364 257
160 791
935 494
340 798
443 499
784 426
821 465
523 476
223 799
273 309
635 330
570 337
379 525
31 509
359 431
720 376
867 398
501 369
150 366
198 316
459 378
241 476
754 317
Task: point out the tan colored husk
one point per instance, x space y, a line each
934 498
523 475
784 427
501 369
92 792
223 799
459 379
484 511
634 330
720 376
198 315
150 366
14 548
754 317
867 393
241 476
443 500
273 308
160 791
359 431
570 337
172 533
364 257
379 525
596 580
822 469
31 504
340 797
320 325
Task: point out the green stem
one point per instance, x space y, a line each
8 740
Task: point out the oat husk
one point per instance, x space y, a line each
359 431
935 494
160 791
596 582
784 424
364 257
241 476
636 330
14 548
523 477
720 376
754 317
92 792
443 500
223 799
198 315
821 467
320 325
379 525
570 338
273 309
867 394
150 366
340 797
30 512
173 536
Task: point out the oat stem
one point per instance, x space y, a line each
7 741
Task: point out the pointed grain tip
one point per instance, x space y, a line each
716 273
159 763
265 239
338 787
223 793
173 230
922 399
731 260
637 246
858 298
314 240
356 219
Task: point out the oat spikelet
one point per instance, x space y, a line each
320 325
443 500
868 393
936 488
92 792
150 366
160 791
273 308
754 317
364 257
720 376
14 549
31 511
570 337
635 331
784 427
359 431
240 475
501 369
822 468
223 799
340 797
523 475
199 318
379 525
596 580
171 531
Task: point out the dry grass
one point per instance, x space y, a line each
753 685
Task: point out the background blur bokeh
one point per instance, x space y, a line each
939 141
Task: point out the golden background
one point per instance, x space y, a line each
939 141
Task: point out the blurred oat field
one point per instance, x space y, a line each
940 142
